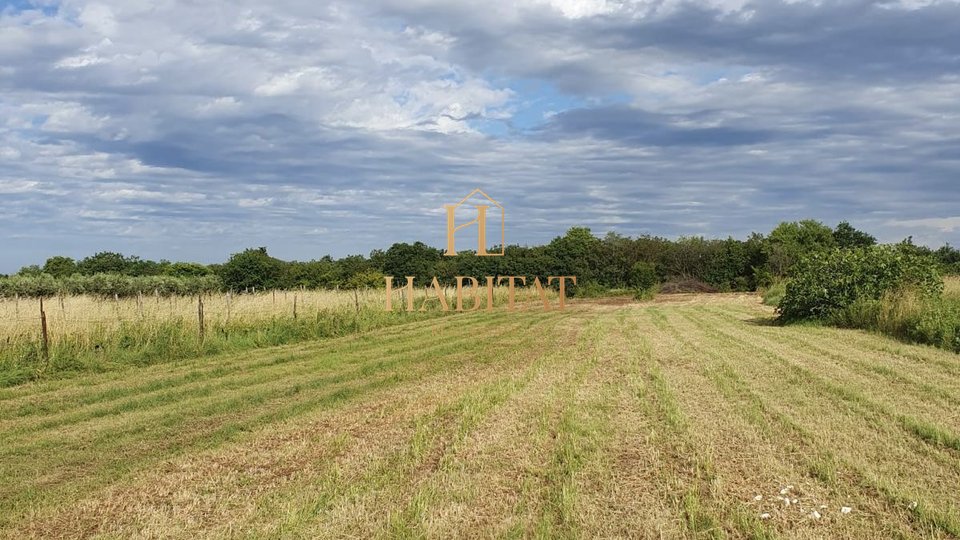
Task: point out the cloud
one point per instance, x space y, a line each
196 129
946 224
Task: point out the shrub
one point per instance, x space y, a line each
107 285
826 283
907 316
643 276
590 289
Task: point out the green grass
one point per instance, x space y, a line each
659 419
774 293
143 343
908 317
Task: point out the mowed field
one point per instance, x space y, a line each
689 416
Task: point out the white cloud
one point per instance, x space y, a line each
99 18
73 117
229 124
946 224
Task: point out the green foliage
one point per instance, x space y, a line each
949 258
367 279
417 260
105 262
645 294
643 276
575 254
30 271
908 316
29 285
140 343
827 282
792 240
106 285
187 269
774 293
610 262
846 236
252 268
589 289
60 267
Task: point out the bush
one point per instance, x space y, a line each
826 283
643 276
107 285
907 316
590 289
645 294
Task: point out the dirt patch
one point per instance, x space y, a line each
686 286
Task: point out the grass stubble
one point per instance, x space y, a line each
677 419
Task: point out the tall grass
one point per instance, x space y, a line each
910 317
774 293
93 334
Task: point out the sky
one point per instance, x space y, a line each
189 130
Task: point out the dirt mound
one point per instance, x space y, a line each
686 286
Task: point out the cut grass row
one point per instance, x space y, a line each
80 451
652 420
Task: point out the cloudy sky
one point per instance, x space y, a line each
188 130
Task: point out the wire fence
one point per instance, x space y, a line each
40 318
33 320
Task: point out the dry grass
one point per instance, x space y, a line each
79 315
951 287
688 418
91 334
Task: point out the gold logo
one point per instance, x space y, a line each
481 294
480 221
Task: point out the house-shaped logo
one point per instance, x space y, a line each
480 221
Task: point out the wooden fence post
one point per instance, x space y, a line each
200 314
45 347
294 306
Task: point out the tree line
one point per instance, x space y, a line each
611 262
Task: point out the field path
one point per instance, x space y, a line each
686 417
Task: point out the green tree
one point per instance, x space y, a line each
186 269
60 267
33 270
846 236
949 258
576 253
104 262
792 240
418 260
251 268
367 279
